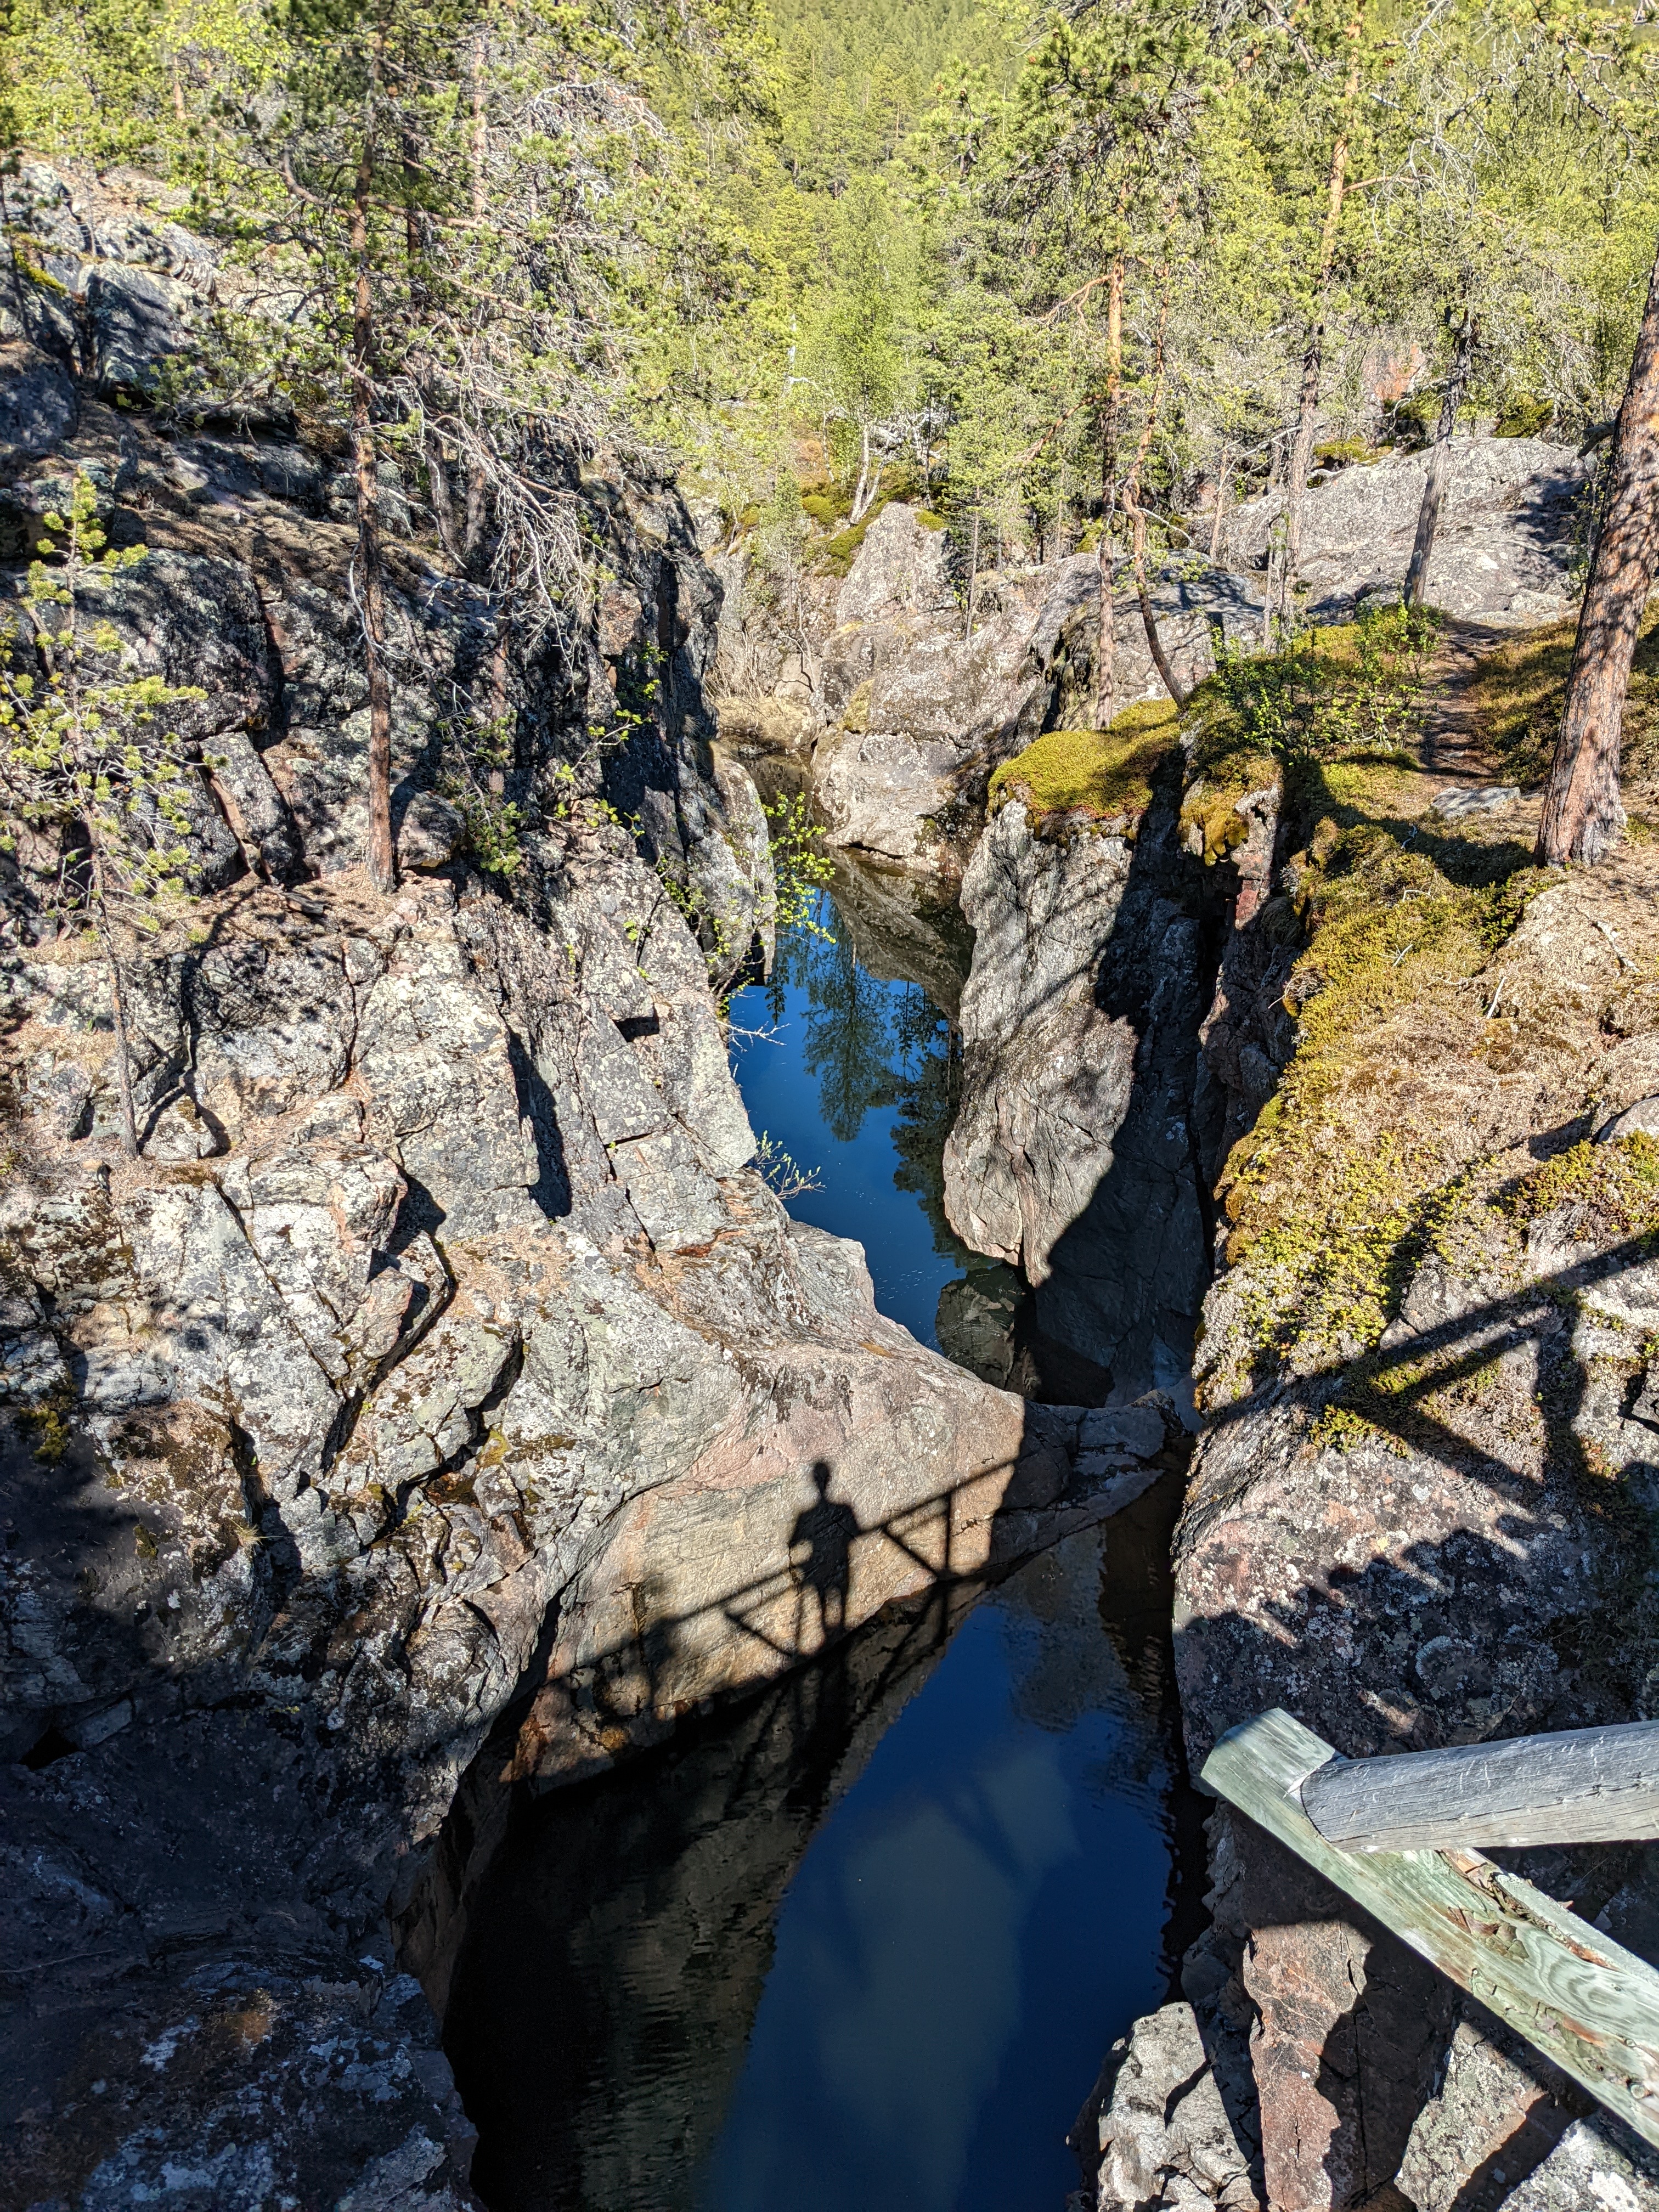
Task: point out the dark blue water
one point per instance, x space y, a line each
970 1926
862 1945
983 1912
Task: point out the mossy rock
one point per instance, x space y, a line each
837 556
1524 416
1341 451
1106 774
855 718
823 510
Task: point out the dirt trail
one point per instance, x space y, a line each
1450 746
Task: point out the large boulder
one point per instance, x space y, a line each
1503 554
1070 1156
924 711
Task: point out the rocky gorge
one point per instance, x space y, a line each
438 1411
1374 1211
442 1383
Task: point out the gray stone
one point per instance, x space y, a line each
1588 2171
1069 1156
37 402
898 570
431 833
135 323
1641 1118
1460 801
1490 2122
1503 553
1137 1429
1167 2140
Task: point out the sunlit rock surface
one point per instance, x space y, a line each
440 1351
1072 1156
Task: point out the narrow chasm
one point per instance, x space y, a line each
862 1939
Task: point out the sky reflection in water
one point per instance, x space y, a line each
956 1940
857 1080
980 1914
966 1932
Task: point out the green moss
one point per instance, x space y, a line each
1341 451
855 716
1619 1182
837 556
1106 773
1524 416
823 509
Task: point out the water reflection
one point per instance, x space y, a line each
852 1064
619 1941
861 1944
963 1929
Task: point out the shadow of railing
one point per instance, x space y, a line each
604 1691
1453 1620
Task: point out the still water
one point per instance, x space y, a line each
864 1944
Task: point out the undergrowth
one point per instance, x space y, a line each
1332 1200
1518 690
1353 691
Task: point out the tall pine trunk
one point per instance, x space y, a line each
1106 639
1434 488
1313 362
1581 813
104 929
1137 513
382 862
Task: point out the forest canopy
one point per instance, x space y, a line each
1077 270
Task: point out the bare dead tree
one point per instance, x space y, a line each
382 860
1106 638
1137 513
1313 351
1434 487
1581 815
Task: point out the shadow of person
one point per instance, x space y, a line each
821 1556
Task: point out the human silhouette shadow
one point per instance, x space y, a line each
824 1533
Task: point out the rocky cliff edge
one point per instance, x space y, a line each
441 1375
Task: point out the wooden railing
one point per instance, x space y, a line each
1398 1835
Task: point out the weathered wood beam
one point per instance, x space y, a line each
1598 1785
1589 2005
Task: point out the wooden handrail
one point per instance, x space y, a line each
1587 2004
1596 1785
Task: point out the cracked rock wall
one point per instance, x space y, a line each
441 1368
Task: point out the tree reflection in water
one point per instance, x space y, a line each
873 1044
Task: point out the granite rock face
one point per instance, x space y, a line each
1503 553
1444 1572
1072 1156
905 714
1170 2138
440 1367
